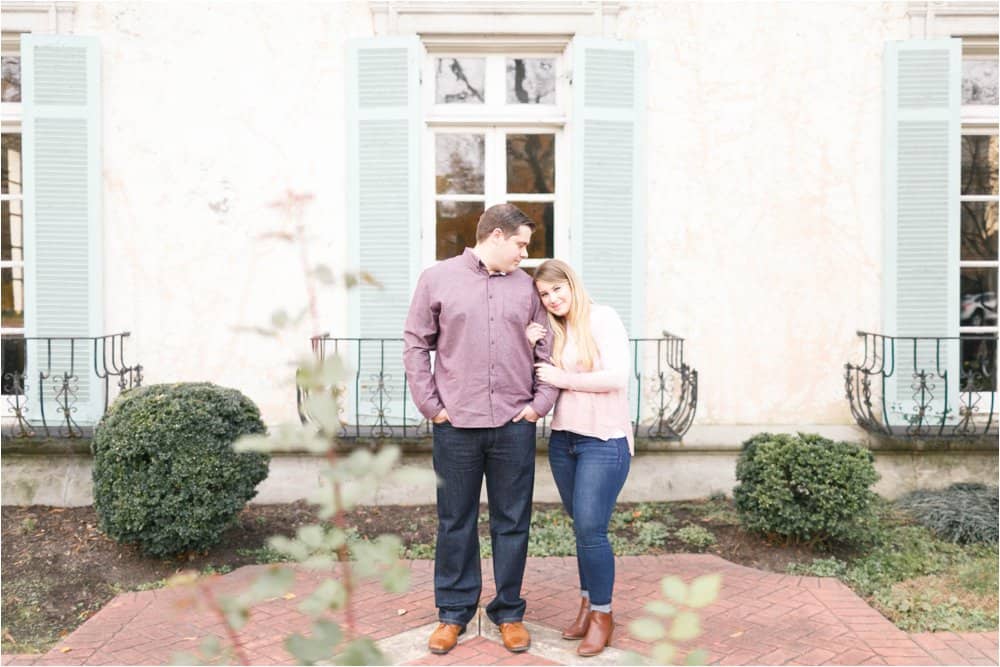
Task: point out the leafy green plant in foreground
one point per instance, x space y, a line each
331 545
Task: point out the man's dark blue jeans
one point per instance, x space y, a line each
461 456
589 474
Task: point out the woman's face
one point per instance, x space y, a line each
556 297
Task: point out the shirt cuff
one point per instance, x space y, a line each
431 408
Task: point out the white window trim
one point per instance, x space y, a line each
512 17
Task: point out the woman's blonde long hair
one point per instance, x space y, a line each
557 271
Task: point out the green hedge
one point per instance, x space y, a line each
805 487
166 477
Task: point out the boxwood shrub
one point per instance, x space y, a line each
166 477
805 488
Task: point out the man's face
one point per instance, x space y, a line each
508 253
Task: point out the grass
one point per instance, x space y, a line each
919 581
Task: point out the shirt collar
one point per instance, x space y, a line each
476 264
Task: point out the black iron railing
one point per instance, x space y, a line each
63 385
375 402
918 387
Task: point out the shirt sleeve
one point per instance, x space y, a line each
545 395
612 344
420 335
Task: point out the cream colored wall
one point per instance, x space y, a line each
763 191
211 112
764 198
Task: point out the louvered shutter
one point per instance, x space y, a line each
62 219
383 146
921 234
609 172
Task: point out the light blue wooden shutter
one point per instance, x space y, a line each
62 217
383 147
609 174
921 240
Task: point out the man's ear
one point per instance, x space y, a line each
497 234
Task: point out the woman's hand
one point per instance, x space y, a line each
535 333
552 375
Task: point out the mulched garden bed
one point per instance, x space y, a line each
58 569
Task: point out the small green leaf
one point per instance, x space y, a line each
362 651
661 608
184 658
210 648
663 654
274 582
674 589
396 579
385 460
311 535
697 657
309 651
686 626
414 476
633 658
704 590
647 629
324 411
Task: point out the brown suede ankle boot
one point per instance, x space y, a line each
598 634
579 628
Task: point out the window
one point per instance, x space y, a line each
494 134
11 225
978 196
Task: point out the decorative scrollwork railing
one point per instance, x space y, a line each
916 386
51 389
375 402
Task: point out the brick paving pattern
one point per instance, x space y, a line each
759 618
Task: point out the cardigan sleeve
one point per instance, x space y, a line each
612 344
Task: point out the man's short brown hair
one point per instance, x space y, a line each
506 217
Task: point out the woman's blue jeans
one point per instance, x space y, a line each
589 474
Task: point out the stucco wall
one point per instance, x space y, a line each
764 196
211 112
763 189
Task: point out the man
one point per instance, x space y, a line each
473 310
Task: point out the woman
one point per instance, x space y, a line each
591 445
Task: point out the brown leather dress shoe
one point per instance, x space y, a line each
515 637
444 638
598 634
579 628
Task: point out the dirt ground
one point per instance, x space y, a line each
58 569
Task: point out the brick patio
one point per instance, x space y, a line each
759 618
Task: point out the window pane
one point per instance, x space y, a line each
13 362
531 81
531 163
10 174
543 213
460 81
460 161
979 165
979 297
11 78
979 365
979 81
979 230
12 296
456 226
11 231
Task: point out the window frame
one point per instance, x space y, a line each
11 123
495 119
977 120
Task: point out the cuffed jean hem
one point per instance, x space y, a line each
454 621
